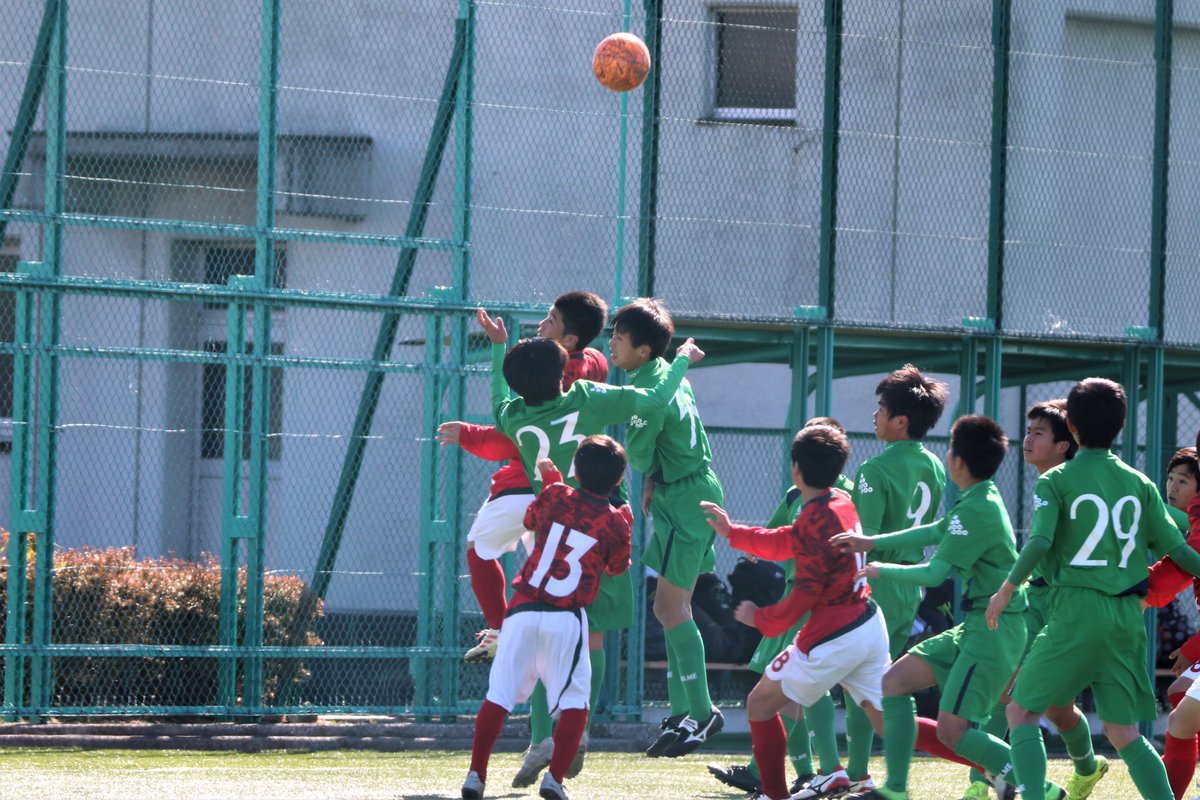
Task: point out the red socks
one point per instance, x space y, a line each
927 740
572 722
487 731
487 581
1179 756
770 749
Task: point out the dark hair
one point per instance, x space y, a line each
820 453
599 464
1186 458
828 422
583 314
980 442
534 369
646 322
1054 412
908 393
1096 407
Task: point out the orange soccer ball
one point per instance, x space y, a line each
621 62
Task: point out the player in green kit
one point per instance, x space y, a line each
970 663
670 446
1094 520
900 488
814 730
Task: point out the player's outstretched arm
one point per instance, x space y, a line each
493 327
449 433
931 574
852 542
1186 559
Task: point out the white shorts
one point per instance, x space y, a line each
550 645
857 660
1190 674
499 524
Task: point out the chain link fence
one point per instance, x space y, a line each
241 244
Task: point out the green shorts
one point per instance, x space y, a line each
612 610
898 602
681 546
973 664
771 646
1037 614
1091 639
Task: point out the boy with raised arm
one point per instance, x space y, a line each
1095 518
578 538
969 663
812 732
845 638
897 489
670 446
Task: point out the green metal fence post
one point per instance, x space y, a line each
1001 41
31 96
46 431
830 143
801 388
824 400
260 371
433 530
651 97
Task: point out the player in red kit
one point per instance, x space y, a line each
578 538
844 641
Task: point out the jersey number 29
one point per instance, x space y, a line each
1105 515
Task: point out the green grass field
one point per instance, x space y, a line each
163 775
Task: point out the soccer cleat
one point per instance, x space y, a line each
537 758
551 789
485 650
1056 792
1000 783
669 728
878 793
692 734
735 775
472 787
577 763
978 790
801 782
835 784
863 784
1080 786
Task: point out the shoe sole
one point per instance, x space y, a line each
734 784
482 658
548 794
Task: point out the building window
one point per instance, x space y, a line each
755 64
212 430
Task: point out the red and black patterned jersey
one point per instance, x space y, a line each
588 364
578 537
825 582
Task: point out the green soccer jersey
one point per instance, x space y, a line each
672 440
555 428
900 488
1100 515
978 542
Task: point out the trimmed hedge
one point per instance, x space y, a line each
112 597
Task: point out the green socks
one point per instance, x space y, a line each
985 750
1079 745
1146 770
1029 756
599 663
675 693
899 739
860 738
689 663
797 745
997 726
540 724
820 717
